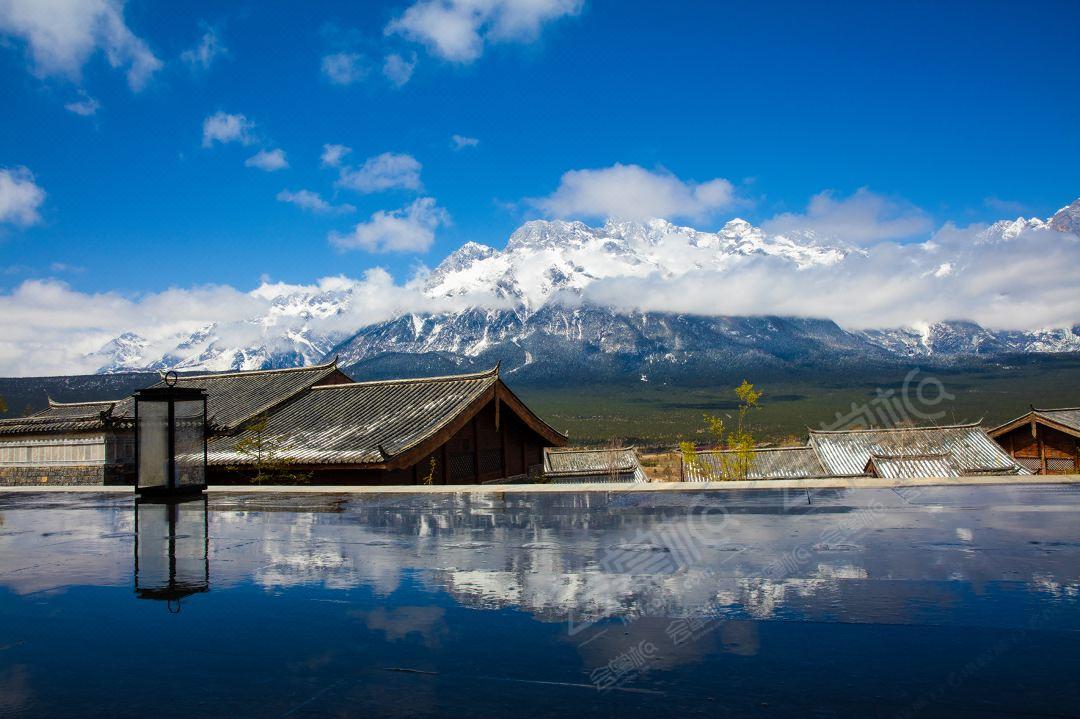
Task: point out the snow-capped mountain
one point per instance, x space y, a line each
527 305
544 258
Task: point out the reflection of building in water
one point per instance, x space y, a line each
171 543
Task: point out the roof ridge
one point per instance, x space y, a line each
249 372
557 450
1052 409
54 403
756 449
493 372
916 455
894 429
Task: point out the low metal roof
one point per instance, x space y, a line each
766 463
911 466
370 423
845 453
569 462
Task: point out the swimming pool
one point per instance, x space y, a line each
929 601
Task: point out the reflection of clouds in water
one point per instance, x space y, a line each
16 697
399 623
1056 589
542 553
53 541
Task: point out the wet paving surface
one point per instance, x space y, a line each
929 601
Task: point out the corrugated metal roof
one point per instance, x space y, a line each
767 463
844 453
71 417
912 466
575 464
362 422
232 398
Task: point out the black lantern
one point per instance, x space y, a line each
171 549
170 440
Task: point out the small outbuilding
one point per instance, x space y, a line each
897 453
1045 441
575 465
959 450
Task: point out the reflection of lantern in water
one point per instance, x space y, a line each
170 439
171 543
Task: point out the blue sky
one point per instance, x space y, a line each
968 111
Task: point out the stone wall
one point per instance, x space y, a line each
54 476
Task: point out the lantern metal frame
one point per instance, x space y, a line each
169 394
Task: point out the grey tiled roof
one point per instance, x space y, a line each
767 463
232 398
71 417
362 422
592 465
844 453
1068 416
912 466
1062 418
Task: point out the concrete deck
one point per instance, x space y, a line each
827 483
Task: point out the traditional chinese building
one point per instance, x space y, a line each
310 424
1045 441
69 443
458 429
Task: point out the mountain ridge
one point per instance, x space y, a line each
531 298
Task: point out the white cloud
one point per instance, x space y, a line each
333 154
20 197
208 49
223 127
312 201
457 30
460 142
864 217
62 35
893 284
85 106
46 327
632 192
268 160
410 229
397 69
344 68
388 171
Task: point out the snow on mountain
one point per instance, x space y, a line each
508 304
1067 219
123 353
544 258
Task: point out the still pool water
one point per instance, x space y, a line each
958 601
